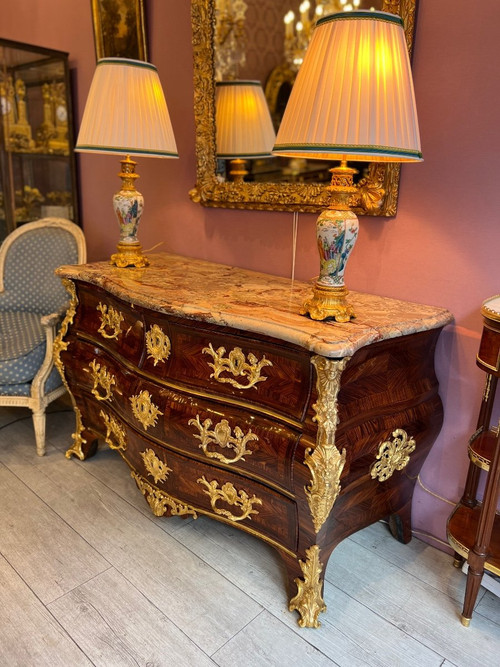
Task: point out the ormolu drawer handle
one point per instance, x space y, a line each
393 455
144 409
229 495
101 378
157 344
110 318
113 428
222 436
237 365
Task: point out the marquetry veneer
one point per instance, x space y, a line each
223 401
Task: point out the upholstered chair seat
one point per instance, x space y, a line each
32 305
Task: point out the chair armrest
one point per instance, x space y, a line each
50 324
53 319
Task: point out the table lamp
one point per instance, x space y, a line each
126 114
244 126
353 99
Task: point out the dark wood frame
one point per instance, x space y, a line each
104 20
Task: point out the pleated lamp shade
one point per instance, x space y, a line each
353 97
243 121
126 112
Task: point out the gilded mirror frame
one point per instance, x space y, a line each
272 196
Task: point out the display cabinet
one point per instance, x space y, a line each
37 164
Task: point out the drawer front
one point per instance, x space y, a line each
112 323
89 367
193 487
225 436
276 377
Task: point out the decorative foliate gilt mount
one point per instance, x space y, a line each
223 437
60 345
237 365
144 410
159 501
228 494
309 601
155 467
114 428
393 455
78 440
157 344
110 319
325 461
103 381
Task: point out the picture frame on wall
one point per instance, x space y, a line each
119 29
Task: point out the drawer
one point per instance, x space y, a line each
91 368
114 324
189 486
226 436
273 376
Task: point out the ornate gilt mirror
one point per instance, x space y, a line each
272 185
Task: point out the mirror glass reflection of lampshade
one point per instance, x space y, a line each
126 113
353 99
244 126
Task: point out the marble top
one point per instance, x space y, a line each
491 308
256 302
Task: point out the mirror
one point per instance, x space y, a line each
378 183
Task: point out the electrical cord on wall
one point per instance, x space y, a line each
295 225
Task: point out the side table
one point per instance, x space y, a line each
474 526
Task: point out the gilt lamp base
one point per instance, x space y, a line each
328 302
129 254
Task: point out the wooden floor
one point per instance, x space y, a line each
88 576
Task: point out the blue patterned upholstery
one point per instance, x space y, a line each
29 280
29 292
22 346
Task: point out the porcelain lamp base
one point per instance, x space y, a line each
128 204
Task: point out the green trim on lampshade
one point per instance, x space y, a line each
353 149
88 148
127 62
245 156
360 15
239 82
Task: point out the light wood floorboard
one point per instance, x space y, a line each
88 576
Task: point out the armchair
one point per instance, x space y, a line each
32 304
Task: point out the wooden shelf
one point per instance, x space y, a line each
482 448
462 530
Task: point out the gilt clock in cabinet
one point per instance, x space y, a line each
474 526
224 402
37 164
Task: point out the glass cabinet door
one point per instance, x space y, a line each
37 162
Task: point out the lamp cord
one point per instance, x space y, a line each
295 225
145 252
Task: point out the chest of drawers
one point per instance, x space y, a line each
223 401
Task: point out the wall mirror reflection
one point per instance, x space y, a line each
263 42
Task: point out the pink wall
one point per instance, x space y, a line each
442 248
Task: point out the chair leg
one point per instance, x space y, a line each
39 425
